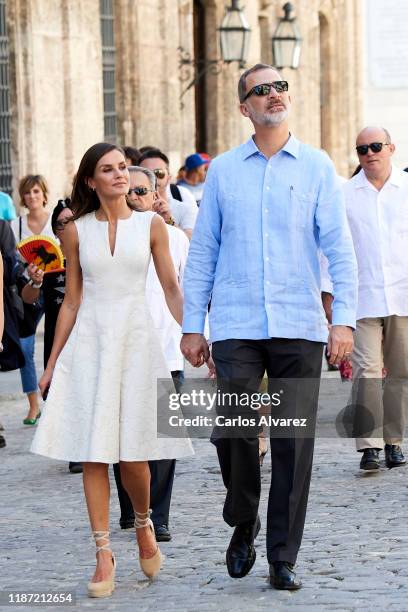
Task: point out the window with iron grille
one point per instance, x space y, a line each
108 64
5 114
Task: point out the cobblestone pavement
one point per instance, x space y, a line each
354 554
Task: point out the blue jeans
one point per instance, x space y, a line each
28 373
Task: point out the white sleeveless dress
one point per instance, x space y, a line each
102 403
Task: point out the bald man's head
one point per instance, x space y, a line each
370 131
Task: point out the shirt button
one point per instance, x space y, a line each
267 258
268 187
266 235
268 282
266 209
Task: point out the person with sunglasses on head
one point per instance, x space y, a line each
268 208
175 204
377 210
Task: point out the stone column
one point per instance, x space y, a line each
56 79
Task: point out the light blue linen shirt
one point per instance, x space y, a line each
255 247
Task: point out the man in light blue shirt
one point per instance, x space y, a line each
7 210
269 205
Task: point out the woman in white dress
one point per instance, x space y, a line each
101 407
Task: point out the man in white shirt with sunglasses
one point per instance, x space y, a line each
377 211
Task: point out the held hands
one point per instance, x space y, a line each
211 369
195 349
340 344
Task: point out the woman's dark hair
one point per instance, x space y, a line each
57 211
133 154
356 170
84 199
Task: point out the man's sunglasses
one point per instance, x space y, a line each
159 173
265 89
140 191
375 147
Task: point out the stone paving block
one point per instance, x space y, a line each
354 556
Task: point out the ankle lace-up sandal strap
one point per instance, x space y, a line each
142 519
102 535
103 588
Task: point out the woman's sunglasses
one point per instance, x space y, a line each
140 191
265 89
375 147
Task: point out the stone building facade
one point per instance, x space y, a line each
80 72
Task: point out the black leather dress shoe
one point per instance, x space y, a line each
370 461
241 552
2 441
127 522
393 456
162 533
283 577
75 467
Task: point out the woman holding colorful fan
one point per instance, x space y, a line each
33 192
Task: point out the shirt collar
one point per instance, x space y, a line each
249 148
396 178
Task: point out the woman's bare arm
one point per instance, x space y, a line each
72 300
159 243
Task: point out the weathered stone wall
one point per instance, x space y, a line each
56 87
57 90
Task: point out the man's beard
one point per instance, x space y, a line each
269 119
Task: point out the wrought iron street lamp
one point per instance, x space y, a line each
234 42
286 41
234 35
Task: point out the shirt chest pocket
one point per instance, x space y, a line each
235 240
302 208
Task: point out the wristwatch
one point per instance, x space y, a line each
34 285
1 347
171 221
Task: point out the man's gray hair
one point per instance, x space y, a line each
387 135
150 175
242 79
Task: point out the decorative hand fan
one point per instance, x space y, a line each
42 251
